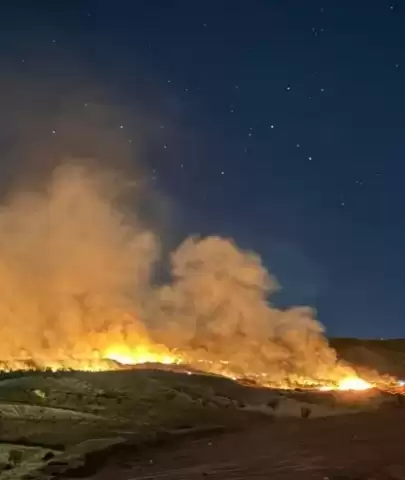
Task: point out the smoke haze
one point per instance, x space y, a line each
75 278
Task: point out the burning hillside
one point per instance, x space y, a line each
122 357
76 292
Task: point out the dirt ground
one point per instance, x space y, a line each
358 446
75 422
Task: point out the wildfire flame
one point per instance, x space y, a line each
139 355
352 383
123 355
143 354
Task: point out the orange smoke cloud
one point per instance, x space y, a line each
75 283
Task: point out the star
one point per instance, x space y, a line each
288 88
310 159
121 127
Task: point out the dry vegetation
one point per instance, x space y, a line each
53 424
73 414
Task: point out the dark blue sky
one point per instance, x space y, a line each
278 123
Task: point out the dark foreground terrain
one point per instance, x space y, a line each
357 447
148 423
75 424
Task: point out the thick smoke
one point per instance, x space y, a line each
72 268
217 310
75 277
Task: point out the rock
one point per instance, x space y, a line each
400 400
273 403
305 412
83 459
5 466
47 456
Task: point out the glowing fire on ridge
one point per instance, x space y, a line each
124 355
348 383
120 354
353 383
143 354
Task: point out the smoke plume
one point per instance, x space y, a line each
75 278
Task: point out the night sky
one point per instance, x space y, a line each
280 124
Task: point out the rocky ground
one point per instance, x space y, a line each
74 424
147 424
56 424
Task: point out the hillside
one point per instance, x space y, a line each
66 422
384 356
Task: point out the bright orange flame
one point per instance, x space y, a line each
348 383
353 383
325 388
124 355
147 352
